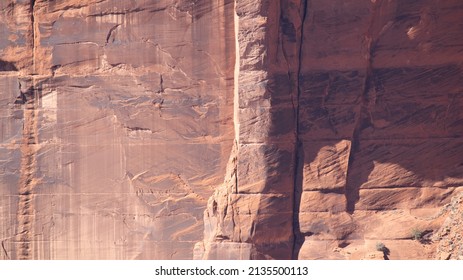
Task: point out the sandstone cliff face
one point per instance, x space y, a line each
349 118
116 125
181 129
380 125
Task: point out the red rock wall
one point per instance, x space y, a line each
116 125
182 129
349 117
380 124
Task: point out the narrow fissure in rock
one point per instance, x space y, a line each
29 143
352 186
298 148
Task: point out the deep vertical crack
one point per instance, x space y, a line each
299 160
28 147
236 97
34 34
352 187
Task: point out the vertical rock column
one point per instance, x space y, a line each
251 215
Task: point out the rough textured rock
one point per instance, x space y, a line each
230 129
449 237
360 109
116 124
381 83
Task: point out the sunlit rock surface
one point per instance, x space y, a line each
116 126
231 129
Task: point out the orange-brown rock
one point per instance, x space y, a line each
116 125
380 78
449 238
231 129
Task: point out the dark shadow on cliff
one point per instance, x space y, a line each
355 179
7 66
403 135
298 236
420 144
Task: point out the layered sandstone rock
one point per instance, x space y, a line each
380 125
181 129
116 125
364 125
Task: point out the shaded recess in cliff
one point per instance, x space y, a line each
379 125
299 148
7 66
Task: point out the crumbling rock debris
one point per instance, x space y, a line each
449 238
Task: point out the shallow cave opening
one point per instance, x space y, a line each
7 66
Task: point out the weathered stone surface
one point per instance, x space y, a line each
327 163
373 78
265 123
449 237
116 125
230 129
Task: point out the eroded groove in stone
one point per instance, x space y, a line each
28 168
